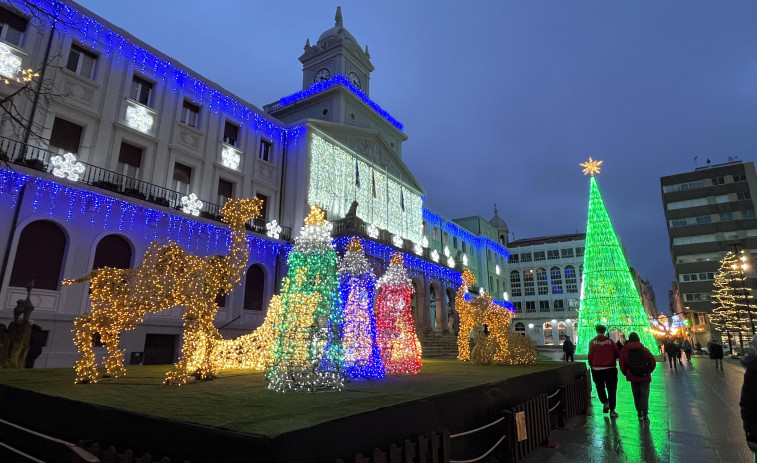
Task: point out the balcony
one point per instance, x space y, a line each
39 159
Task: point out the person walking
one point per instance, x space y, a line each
569 348
637 364
687 349
748 401
602 356
716 353
671 350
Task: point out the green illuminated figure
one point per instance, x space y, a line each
608 294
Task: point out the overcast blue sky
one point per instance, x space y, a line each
502 100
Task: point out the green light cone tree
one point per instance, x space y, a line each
608 294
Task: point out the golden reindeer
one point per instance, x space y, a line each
168 277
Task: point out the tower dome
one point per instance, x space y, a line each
338 31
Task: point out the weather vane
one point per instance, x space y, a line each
591 166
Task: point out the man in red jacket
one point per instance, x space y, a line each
602 356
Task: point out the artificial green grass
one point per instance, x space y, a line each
240 401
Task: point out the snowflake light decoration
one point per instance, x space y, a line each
191 205
450 262
273 229
424 242
435 255
10 64
397 241
465 260
138 119
373 231
591 166
230 158
496 269
481 291
446 251
67 166
417 249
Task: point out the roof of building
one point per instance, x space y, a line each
547 240
338 30
497 220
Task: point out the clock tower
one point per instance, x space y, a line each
336 52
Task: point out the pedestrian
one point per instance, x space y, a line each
686 346
602 356
749 399
679 349
569 348
699 348
716 353
671 350
637 364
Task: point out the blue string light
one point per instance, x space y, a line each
479 242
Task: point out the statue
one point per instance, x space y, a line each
24 306
14 342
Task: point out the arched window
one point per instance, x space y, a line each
254 284
548 338
528 281
39 255
541 281
520 327
515 283
556 275
570 279
502 240
112 251
562 332
432 307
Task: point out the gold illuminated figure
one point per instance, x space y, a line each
168 277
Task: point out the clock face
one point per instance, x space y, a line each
322 75
354 80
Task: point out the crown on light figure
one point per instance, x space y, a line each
317 216
397 258
469 279
355 246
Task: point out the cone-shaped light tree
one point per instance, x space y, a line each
307 352
608 294
362 356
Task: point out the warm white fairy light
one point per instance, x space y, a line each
10 64
273 229
465 260
373 231
451 262
446 251
397 241
417 249
496 269
481 291
67 166
138 118
191 204
230 157
435 255
424 242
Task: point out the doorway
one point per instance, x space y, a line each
159 349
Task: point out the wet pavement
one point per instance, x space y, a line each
694 413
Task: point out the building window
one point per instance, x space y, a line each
548 336
538 256
726 217
82 62
39 256
528 281
264 206
230 133
530 306
566 252
464 247
514 259
555 275
703 219
254 284
190 113
515 283
718 180
265 150
543 306
739 178
520 327
558 305
580 251
140 90
571 284
13 27
225 191
65 136
182 177
541 281
436 234
525 257
678 223
112 251
129 160
454 242
747 214
743 195
553 254
517 307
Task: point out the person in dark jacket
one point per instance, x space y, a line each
602 356
639 383
569 349
748 401
716 353
671 350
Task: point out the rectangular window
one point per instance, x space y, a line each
718 180
739 178
538 255
678 223
464 247
514 258
82 62
525 257
225 191
567 252
454 242
182 177
528 282
12 27
265 150
264 207
580 251
703 219
140 90
129 160
747 214
436 234
518 307
230 133
558 305
66 136
530 306
543 306
190 113
743 195
553 254
726 217
573 304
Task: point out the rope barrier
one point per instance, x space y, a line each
558 403
556 392
452 436
482 456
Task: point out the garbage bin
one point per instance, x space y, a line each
137 358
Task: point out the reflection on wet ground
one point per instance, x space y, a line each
694 414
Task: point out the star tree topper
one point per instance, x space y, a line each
591 166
